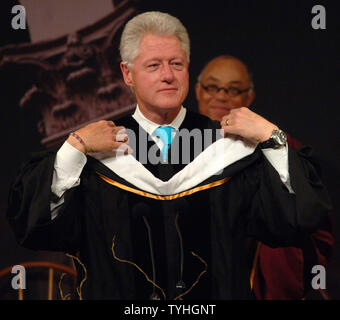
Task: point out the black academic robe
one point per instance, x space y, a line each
132 243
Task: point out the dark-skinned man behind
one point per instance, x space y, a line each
141 224
224 84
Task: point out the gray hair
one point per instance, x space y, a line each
154 22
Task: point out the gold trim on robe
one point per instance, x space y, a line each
168 197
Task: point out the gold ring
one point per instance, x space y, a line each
227 122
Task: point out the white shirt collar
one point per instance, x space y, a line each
150 126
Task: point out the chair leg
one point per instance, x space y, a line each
50 283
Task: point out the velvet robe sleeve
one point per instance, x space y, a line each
280 218
285 273
29 212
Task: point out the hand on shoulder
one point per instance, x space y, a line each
100 136
247 124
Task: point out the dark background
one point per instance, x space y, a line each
295 70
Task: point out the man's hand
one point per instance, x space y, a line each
100 136
247 124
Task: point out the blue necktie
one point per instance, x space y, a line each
164 133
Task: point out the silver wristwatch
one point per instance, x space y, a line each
277 140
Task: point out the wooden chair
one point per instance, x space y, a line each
52 269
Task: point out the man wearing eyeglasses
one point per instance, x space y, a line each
223 85
144 229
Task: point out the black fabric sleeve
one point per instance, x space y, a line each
29 213
280 218
313 203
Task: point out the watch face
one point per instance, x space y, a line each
279 137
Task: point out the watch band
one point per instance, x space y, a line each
270 143
277 139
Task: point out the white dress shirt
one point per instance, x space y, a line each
150 126
70 162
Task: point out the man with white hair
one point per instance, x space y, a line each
142 224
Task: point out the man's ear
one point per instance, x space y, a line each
126 74
251 97
197 91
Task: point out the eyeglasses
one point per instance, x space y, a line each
231 91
